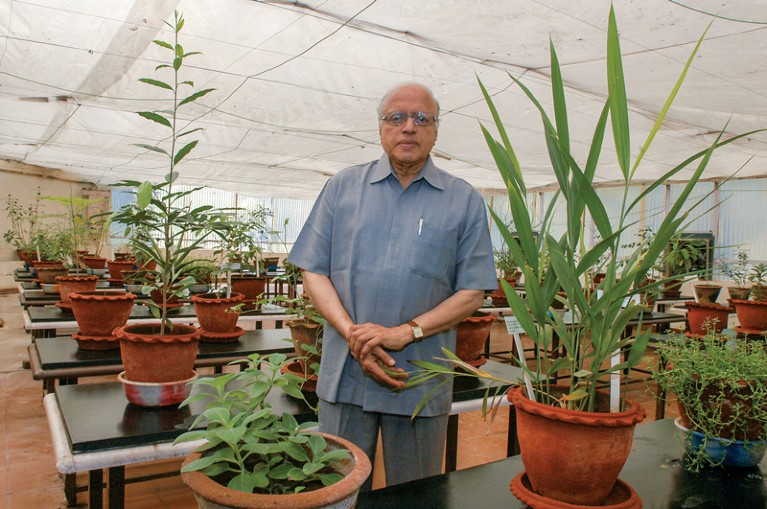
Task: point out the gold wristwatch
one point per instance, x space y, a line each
416 330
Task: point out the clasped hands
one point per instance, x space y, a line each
369 342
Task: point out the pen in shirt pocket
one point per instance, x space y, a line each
420 225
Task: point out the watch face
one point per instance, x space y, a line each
417 332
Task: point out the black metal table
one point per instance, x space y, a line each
59 359
654 470
93 427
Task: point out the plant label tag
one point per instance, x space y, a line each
567 317
512 325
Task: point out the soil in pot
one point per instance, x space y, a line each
573 456
150 357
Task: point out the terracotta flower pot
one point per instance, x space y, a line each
47 275
94 262
305 334
98 313
251 287
116 268
573 456
46 264
75 284
752 314
471 336
214 312
210 494
150 357
499 296
701 315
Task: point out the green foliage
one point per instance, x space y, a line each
679 257
595 331
504 261
162 220
722 385
238 235
251 449
738 272
758 276
24 220
203 271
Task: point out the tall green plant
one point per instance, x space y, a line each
168 227
597 320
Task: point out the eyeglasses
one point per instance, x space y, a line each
420 118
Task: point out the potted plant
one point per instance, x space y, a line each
720 385
676 262
254 458
241 253
508 269
306 328
23 220
575 439
167 231
738 273
752 314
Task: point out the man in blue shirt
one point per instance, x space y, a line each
395 253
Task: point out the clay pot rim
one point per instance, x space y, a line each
297 324
289 368
183 333
707 305
213 298
341 490
744 302
75 279
633 415
123 379
486 317
111 295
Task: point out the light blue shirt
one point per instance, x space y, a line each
393 254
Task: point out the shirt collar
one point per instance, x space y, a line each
429 172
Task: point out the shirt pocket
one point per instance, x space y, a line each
433 252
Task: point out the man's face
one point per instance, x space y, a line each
408 145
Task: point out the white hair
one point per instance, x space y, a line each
391 91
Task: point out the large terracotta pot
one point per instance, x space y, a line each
251 287
304 333
47 275
215 316
150 357
701 315
470 337
116 268
98 313
573 456
75 284
752 315
343 494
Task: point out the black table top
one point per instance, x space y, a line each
99 417
53 314
63 352
654 470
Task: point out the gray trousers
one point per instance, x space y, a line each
412 449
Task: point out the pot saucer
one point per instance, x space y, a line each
222 337
622 496
66 307
750 332
85 342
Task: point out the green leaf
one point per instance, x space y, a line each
576 395
616 86
152 148
312 468
156 83
163 44
331 478
144 195
196 96
155 118
184 151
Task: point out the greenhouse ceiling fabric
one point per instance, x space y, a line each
297 84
